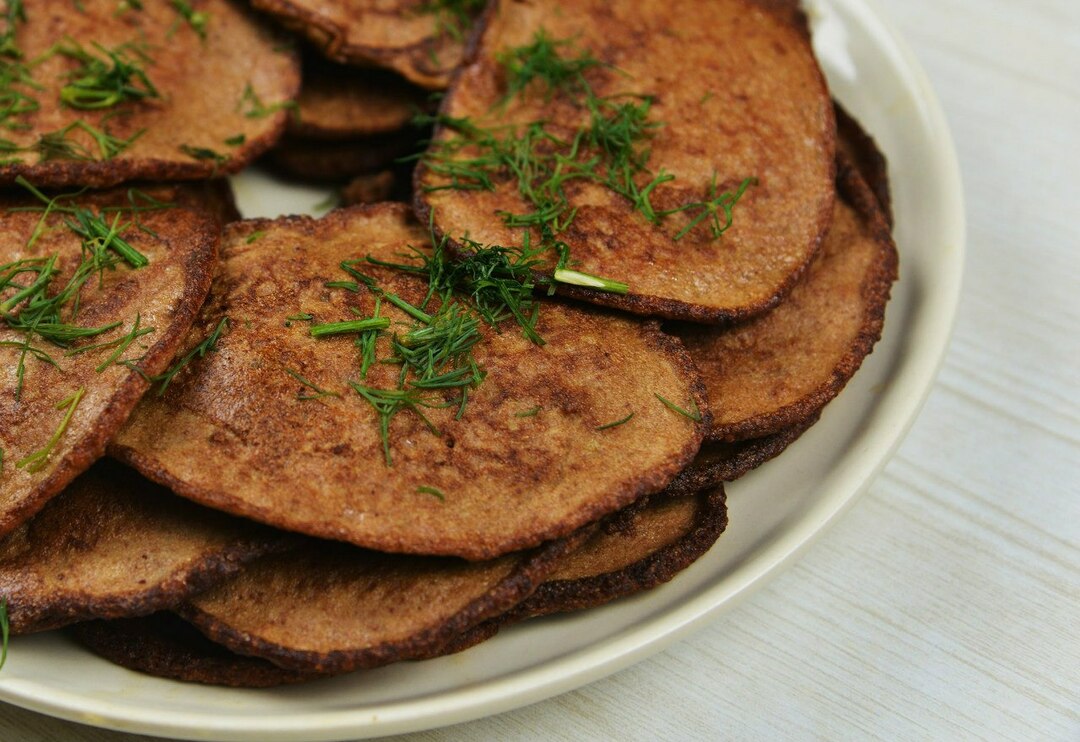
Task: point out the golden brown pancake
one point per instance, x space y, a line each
525 463
396 34
219 102
369 189
739 95
347 103
336 608
719 462
113 544
772 372
635 550
315 160
44 450
166 646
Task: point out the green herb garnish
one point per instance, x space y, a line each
615 424
5 630
319 392
695 415
531 412
350 326
425 490
199 351
196 19
106 78
36 461
253 107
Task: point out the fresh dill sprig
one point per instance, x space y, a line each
452 17
389 402
120 345
543 60
615 424
197 19
14 13
253 108
349 327
319 392
433 491
36 461
59 144
711 208
204 154
695 415
199 351
106 78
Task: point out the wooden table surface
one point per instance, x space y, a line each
946 603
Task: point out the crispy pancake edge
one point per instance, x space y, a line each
876 288
199 269
868 158
450 636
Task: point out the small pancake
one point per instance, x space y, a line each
397 34
726 462
181 246
166 646
635 550
212 93
525 463
113 544
777 370
335 608
369 189
347 103
739 95
314 160
862 151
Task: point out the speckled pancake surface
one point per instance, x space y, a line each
114 544
403 35
336 608
56 420
218 103
777 370
736 94
526 461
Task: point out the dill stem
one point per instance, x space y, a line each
341 328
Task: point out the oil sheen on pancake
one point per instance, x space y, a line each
421 40
114 544
735 93
213 98
534 455
775 371
61 400
336 608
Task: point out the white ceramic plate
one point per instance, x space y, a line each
774 513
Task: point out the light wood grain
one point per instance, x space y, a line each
946 604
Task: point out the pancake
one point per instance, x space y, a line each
775 371
346 103
524 463
315 160
210 105
726 462
166 646
113 544
862 152
635 550
738 105
424 46
56 420
335 608
369 189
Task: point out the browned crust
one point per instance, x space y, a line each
128 166
449 636
199 266
633 302
165 646
330 161
416 62
876 288
31 608
863 151
726 462
560 596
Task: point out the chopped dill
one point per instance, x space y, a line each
453 17
197 19
105 77
120 345
695 415
1 473
60 145
5 628
389 402
204 154
253 108
615 424
36 461
301 317
352 286
351 326
319 392
199 351
531 412
236 141
711 208
254 237
577 278
434 492
542 60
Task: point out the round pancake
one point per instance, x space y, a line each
181 246
166 646
335 608
775 371
203 123
347 103
113 544
315 160
525 462
862 152
740 96
396 34
635 550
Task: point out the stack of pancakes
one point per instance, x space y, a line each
213 486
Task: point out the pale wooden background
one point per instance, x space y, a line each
946 604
